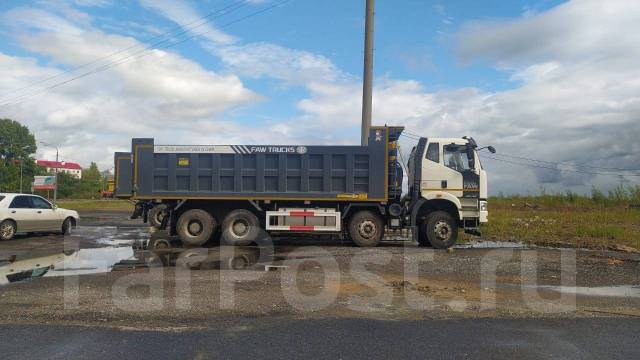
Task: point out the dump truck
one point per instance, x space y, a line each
237 193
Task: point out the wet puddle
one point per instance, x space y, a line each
625 291
480 244
112 236
118 248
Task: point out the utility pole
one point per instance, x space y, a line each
367 91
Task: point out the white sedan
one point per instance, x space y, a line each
31 213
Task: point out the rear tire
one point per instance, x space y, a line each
240 227
159 244
366 229
195 227
7 230
157 215
440 229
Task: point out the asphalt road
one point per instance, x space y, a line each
598 338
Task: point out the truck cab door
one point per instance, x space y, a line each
436 176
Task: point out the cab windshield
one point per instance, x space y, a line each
457 157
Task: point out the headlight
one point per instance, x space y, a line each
484 206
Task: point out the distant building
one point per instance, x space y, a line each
70 168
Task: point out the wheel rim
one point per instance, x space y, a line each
6 230
160 217
195 227
161 244
442 230
240 227
239 263
367 229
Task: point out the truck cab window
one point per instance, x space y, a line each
455 157
433 152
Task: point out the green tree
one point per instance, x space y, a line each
68 186
17 145
90 184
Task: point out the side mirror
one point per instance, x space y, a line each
54 207
491 149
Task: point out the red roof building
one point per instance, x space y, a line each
70 168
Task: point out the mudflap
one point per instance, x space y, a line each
138 210
414 233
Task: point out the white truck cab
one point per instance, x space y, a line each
447 189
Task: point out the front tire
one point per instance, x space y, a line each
195 227
7 230
241 227
67 225
366 229
440 229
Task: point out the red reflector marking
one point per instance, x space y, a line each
301 213
301 228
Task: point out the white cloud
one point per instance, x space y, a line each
574 96
161 93
568 32
182 13
270 60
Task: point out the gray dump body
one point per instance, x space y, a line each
123 175
269 172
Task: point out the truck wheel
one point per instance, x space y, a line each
159 244
240 227
422 236
441 230
195 227
366 229
157 214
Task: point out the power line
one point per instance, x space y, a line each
141 53
409 136
563 163
413 137
606 169
557 169
114 63
97 60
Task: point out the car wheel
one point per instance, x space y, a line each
366 229
67 226
240 227
195 227
7 230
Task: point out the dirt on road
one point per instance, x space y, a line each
105 274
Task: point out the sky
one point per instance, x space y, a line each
554 86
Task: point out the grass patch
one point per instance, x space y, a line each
96 205
565 220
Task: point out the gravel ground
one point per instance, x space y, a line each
308 280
